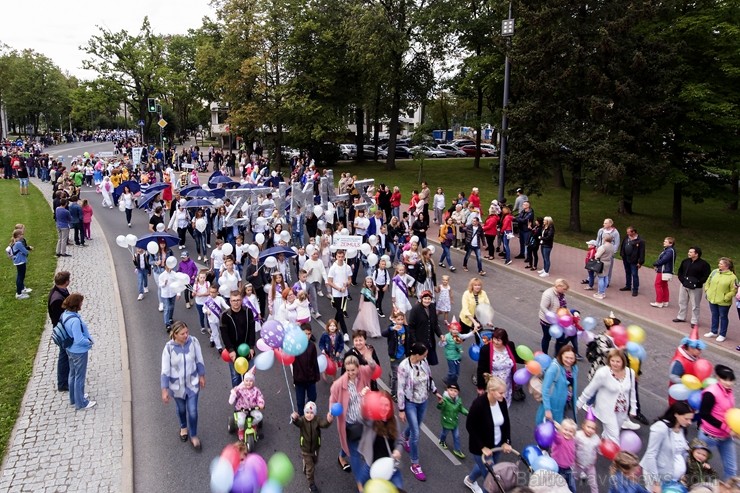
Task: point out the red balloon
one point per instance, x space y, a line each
703 369
619 334
231 454
376 406
283 358
377 372
608 449
226 356
331 367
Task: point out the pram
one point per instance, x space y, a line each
505 476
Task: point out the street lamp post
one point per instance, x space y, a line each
507 31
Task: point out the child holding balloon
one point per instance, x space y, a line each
246 397
331 344
564 450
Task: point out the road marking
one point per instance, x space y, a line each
423 427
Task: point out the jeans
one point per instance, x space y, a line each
445 255
303 390
726 450
603 284
479 469
567 473
475 250
142 279
155 275
236 379
631 275
395 363
128 215
79 234
396 212
546 257
169 310
453 371
507 247
396 479
201 315
76 382
355 459
591 278
20 278
414 416
455 437
524 241
63 370
200 242
719 318
187 413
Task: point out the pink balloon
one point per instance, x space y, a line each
262 345
630 442
258 466
619 334
565 321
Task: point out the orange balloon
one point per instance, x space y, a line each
534 367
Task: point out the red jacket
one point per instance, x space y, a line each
507 223
396 199
490 227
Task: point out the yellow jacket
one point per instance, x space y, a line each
467 306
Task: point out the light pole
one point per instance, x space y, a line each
507 31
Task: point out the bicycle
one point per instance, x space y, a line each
251 435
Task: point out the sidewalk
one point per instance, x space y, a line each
54 448
568 263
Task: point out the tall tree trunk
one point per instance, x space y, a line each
558 172
575 197
390 163
478 118
360 132
734 178
677 205
376 122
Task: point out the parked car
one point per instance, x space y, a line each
347 151
429 152
470 150
402 152
463 142
491 148
368 151
289 153
451 150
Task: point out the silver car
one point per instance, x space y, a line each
451 150
429 151
347 151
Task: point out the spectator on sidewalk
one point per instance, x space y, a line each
616 239
547 241
664 273
633 257
57 296
721 288
524 219
520 199
75 211
604 253
692 274
77 352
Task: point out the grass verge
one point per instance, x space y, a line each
709 224
22 321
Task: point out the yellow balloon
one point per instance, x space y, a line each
635 333
241 365
634 364
379 486
732 416
691 382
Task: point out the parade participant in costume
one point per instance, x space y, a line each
684 358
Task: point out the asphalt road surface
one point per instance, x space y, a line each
163 463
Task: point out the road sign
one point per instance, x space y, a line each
162 122
142 123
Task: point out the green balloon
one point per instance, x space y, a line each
524 352
280 469
243 349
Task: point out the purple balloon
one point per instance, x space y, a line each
258 466
551 317
522 376
630 442
273 334
544 434
570 331
245 481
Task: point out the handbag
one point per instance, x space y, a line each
354 431
666 276
121 206
595 265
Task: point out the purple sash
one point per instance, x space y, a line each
213 306
247 303
401 285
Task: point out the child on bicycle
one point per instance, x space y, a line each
246 397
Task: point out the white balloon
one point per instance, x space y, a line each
182 277
121 241
131 239
372 260
373 240
285 236
253 251
345 232
366 249
259 238
177 286
224 290
310 249
270 262
227 248
386 258
321 360
171 262
295 249
160 227
382 469
431 249
317 211
351 252
414 239
152 247
321 225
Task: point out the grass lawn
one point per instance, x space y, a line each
22 321
709 224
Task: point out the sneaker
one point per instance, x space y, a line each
346 337
442 445
203 330
187 305
441 264
313 488
656 305
507 262
208 245
452 269
721 339
320 293
27 290
90 404
545 274
599 296
629 425
21 296
146 290
710 334
406 445
665 305
678 320
129 225
161 307
140 297
472 485
458 453
417 472
588 288
199 258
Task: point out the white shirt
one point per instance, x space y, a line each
498 422
339 275
217 256
315 269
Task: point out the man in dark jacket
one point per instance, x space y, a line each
306 371
692 273
523 220
423 326
54 305
237 327
75 211
633 257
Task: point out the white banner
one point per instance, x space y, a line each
136 155
347 242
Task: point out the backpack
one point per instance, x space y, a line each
61 336
535 384
10 252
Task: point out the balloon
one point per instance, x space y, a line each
533 367
366 249
285 359
694 400
344 232
177 286
160 227
86 154
636 350
273 333
321 360
243 349
262 345
530 453
131 239
679 392
271 486
551 317
630 442
522 376
183 277
331 367
336 409
121 241
244 481
565 320
264 361
258 466
544 434
377 372
556 332
222 476
474 352
570 331
318 211
285 236
259 238
619 334
227 248
171 262
379 485
270 262
708 381
546 463
732 417
231 454
586 336
373 240
382 468
295 341
703 369
524 352
431 249
691 382
588 323
544 360
484 314
241 365
351 253
376 406
280 468
608 448
372 260
635 333
634 364
321 225
225 356
152 247
253 251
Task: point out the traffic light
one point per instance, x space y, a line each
159 109
152 104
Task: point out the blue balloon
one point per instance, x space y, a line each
588 323
544 360
271 486
545 462
636 350
556 331
474 352
695 400
530 453
336 409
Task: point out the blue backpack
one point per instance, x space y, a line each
61 336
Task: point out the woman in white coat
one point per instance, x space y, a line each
614 389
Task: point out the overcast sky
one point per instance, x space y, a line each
57 29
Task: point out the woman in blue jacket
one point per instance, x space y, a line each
559 387
77 352
663 273
20 256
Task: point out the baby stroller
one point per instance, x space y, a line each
505 476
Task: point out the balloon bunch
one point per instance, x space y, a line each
536 364
232 473
691 384
537 459
127 241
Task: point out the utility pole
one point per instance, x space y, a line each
507 31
